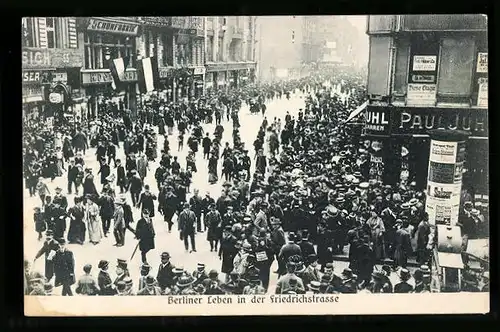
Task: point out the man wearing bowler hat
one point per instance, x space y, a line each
104 280
165 276
145 233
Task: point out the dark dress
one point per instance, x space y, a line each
76 232
213 220
228 251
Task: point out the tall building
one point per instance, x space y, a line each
428 72
279 46
229 51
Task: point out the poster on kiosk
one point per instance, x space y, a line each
444 182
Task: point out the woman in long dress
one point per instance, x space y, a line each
93 221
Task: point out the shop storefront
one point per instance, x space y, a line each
198 85
97 85
406 130
215 76
166 83
48 77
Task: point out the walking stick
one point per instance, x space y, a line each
137 246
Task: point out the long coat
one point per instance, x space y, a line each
48 246
64 267
213 221
145 232
402 243
105 284
146 201
227 251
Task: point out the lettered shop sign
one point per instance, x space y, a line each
482 63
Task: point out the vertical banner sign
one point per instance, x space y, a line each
446 162
482 74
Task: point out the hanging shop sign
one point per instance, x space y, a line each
199 70
59 77
114 27
159 21
377 120
420 93
419 120
424 62
165 72
105 77
32 93
51 58
482 63
56 98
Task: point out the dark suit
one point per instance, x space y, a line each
105 284
307 249
49 264
165 276
64 268
187 221
121 179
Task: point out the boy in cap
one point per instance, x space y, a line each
87 285
150 288
403 286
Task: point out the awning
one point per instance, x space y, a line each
450 260
357 111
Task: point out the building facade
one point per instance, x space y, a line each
428 72
229 51
51 60
66 60
280 42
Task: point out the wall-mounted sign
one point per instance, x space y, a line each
164 72
482 63
419 120
482 94
32 93
199 70
56 98
59 77
51 58
162 21
105 77
31 77
421 93
424 62
423 78
114 27
213 67
377 120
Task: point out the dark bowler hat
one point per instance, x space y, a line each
49 232
61 241
165 255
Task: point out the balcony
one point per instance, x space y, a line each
457 22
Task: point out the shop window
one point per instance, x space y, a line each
168 51
401 68
29 26
210 49
455 71
51 32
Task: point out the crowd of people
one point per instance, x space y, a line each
313 195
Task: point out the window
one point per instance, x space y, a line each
51 32
97 46
249 52
401 66
378 67
220 50
168 52
29 26
456 64
210 49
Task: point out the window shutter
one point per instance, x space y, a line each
73 43
42 31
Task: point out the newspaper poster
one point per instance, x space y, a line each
424 62
421 93
482 63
